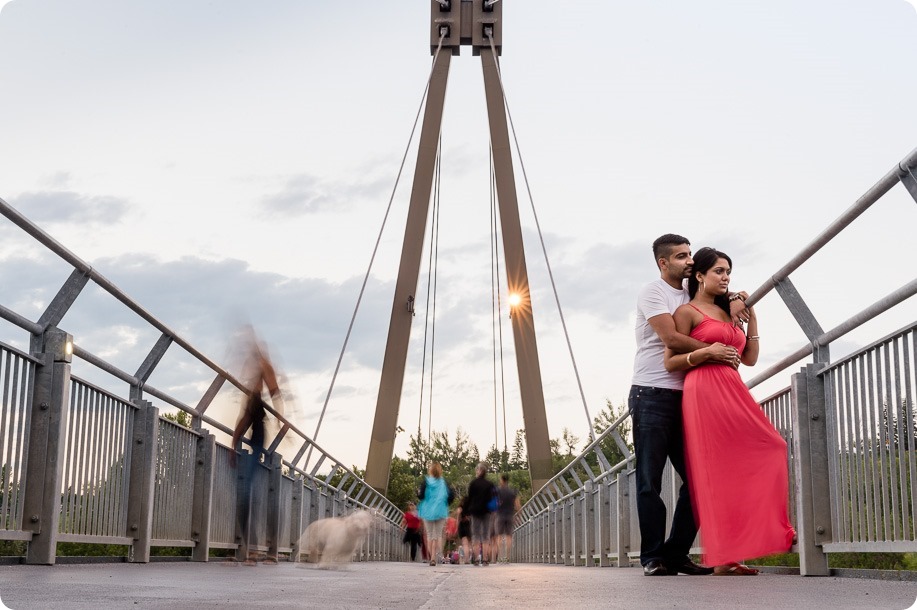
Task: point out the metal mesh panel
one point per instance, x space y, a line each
286 515
873 434
223 517
96 462
173 490
778 409
16 378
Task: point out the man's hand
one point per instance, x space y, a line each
737 309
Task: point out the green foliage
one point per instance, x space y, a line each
454 456
12 548
602 422
519 460
84 549
179 417
402 483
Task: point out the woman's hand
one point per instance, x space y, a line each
724 354
737 309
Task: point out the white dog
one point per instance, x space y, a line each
333 541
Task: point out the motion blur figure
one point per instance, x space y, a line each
258 373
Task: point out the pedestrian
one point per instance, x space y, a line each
655 407
435 496
259 373
480 494
504 517
412 529
464 530
741 516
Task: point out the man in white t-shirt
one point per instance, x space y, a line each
655 407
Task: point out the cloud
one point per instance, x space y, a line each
304 194
61 207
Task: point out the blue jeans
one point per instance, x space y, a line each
658 435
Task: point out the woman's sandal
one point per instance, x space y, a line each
734 569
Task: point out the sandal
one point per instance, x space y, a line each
734 569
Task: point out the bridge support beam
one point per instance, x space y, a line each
382 441
522 318
810 439
481 18
50 406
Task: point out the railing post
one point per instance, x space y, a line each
144 447
603 514
275 474
49 411
296 518
203 496
590 527
623 500
810 438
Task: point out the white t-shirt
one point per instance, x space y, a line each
649 364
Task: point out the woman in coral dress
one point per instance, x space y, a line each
736 460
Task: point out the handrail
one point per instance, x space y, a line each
844 220
79 264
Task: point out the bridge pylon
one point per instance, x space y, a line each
478 23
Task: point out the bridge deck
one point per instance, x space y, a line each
403 585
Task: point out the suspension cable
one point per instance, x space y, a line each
435 232
540 236
494 291
426 320
372 258
496 258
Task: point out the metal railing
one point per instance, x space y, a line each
850 430
873 446
87 465
16 373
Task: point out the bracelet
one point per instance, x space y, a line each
689 359
753 338
736 297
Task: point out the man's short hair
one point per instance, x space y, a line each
504 477
663 245
482 468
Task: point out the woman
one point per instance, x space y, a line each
736 460
433 509
411 525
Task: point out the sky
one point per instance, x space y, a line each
230 161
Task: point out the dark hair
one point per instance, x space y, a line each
504 477
662 247
704 260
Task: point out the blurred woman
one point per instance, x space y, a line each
434 509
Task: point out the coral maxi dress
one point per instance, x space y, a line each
736 460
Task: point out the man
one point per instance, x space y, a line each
480 493
507 506
655 407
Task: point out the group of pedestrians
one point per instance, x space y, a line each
482 524
690 406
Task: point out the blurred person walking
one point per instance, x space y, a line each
435 496
412 529
480 494
258 373
507 506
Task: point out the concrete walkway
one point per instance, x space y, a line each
402 585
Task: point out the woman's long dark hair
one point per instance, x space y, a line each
704 260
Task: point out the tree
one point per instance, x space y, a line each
570 440
179 417
608 445
519 459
